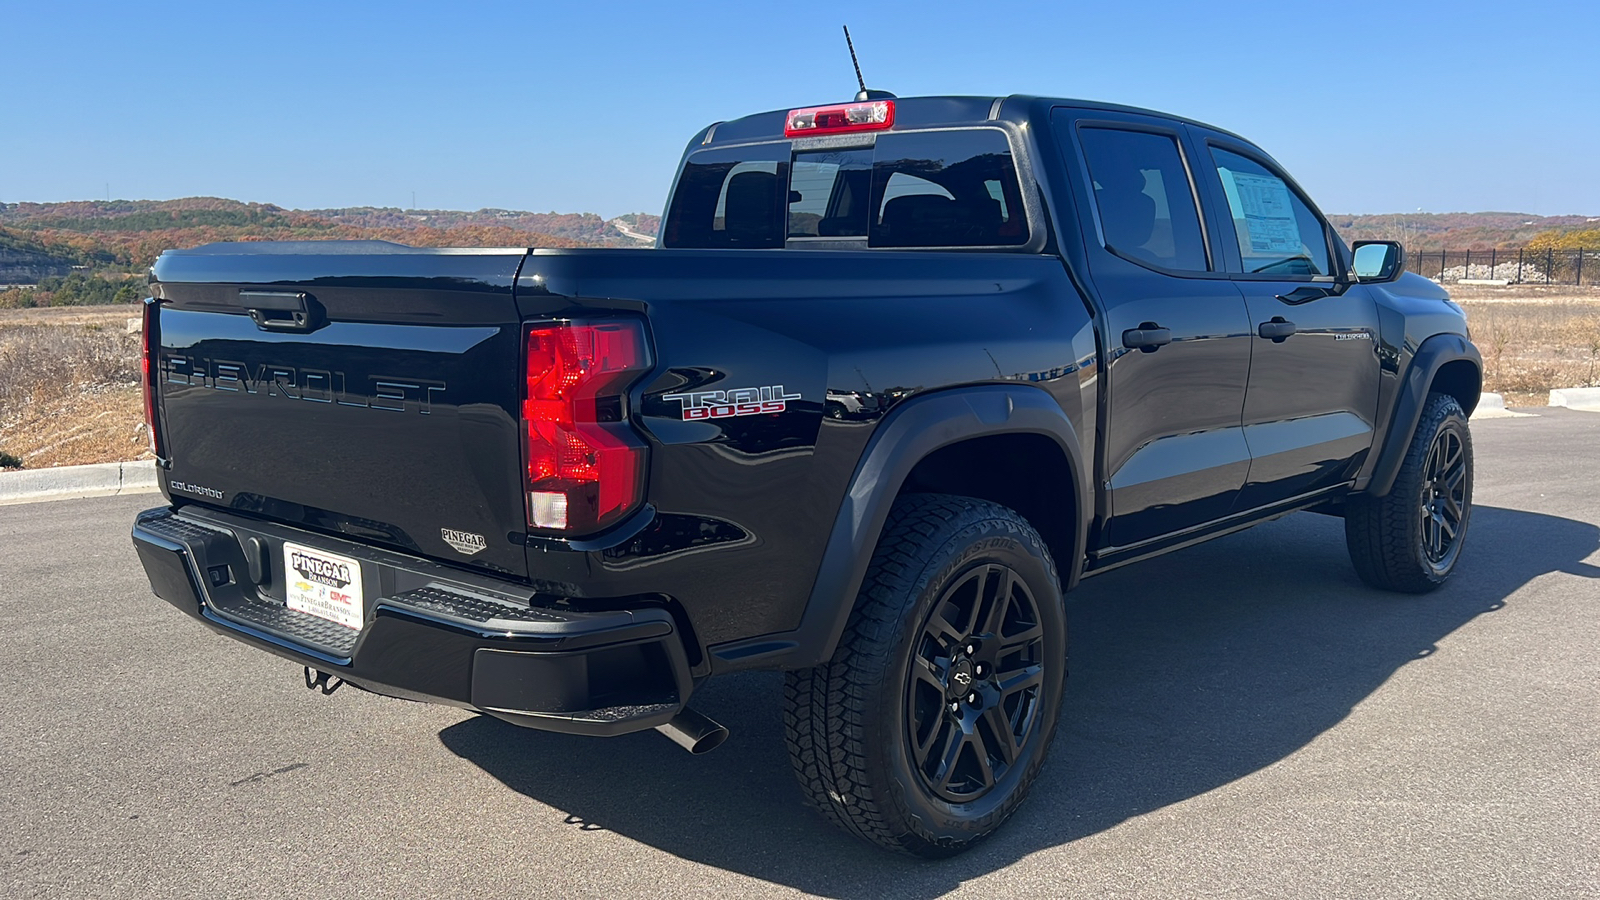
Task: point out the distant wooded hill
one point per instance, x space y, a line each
51 240
25 261
43 239
1466 231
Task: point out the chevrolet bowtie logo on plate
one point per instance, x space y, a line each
464 542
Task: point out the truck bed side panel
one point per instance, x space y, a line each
745 504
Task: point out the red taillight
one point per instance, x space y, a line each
585 467
148 368
873 116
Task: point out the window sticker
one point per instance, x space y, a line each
1262 203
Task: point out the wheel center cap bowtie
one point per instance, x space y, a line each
961 677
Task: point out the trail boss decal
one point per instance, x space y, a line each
751 401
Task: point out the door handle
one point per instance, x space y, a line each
1277 330
1148 337
290 311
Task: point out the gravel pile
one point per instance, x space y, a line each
1506 271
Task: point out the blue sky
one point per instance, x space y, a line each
1374 107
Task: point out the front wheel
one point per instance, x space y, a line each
1410 539
932 720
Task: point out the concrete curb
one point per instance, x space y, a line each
1493 406
1586 399
63 482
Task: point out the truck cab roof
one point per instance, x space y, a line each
932 112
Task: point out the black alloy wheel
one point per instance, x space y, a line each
973 693
1444 498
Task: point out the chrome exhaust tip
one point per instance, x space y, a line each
694 732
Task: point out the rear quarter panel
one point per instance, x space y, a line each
745 504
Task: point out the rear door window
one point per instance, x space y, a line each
1278 233
1144 197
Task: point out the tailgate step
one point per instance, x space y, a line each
457 605
275 618
339 641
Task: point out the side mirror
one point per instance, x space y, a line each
1377 262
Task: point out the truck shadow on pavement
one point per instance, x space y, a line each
1187 673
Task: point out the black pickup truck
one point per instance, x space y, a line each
899 374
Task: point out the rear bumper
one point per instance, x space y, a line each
431 633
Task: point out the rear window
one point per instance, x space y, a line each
730 198
955 188
829 191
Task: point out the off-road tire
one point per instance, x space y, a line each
1389 536
850 723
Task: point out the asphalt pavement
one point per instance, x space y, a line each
1245 719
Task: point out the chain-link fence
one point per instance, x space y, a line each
1521 266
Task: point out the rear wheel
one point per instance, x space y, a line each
1410 539
925 731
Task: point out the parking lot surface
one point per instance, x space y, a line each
1245 719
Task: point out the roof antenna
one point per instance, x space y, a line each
865 94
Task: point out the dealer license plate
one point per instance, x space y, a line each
324 585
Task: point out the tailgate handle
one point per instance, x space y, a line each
293 311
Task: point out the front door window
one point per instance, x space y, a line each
1278 233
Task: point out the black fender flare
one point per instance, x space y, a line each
1432 356
912 430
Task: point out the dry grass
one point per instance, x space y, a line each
1531 347
105 316
69 387
69 377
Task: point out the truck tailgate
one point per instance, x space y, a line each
367 390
